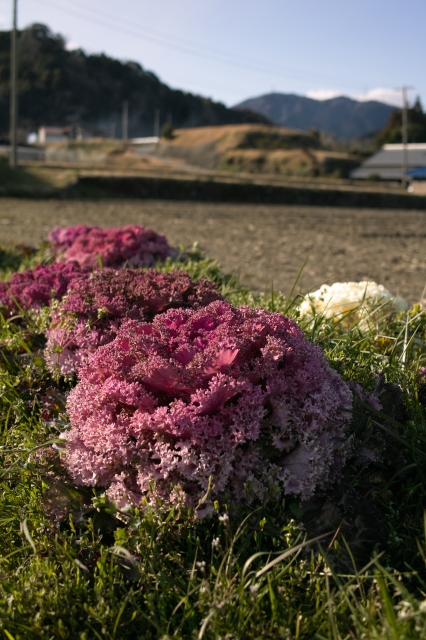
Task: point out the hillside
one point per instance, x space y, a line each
239 148
60 87
342 117
257 149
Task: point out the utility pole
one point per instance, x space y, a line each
404 136
125 121
13 90
404 128
157 123
272 105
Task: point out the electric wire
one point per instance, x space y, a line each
178 44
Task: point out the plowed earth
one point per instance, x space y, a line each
265 244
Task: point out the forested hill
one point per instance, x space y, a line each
60 87
416 131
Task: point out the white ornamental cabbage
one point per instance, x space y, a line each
352 301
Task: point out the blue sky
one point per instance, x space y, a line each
233 49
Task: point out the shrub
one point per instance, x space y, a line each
94 308
37 287
167 131
134 245
236 395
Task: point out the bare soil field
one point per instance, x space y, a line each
265 244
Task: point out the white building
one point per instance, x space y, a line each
52 134
386 164
74 132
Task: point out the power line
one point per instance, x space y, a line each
207 49
178 44
187 48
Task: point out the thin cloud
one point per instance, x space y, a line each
381 94
323 94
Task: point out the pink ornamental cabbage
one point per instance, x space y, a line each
95 307
37 287
135 245
236 395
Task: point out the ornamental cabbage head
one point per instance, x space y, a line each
134 245
234 398
37 287
92 312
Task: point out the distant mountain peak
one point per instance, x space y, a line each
341 116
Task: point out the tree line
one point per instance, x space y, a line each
58 87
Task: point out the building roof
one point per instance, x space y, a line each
71 128
387 163
413 146
55 130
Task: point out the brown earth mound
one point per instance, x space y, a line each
256 149
246 148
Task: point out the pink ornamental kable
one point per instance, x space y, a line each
94 309
230 398
132 245
38 287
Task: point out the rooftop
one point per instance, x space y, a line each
410 145
387 163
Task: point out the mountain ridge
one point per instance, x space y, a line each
343 117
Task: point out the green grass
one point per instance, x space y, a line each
21 181
71 566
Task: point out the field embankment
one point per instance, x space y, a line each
230 163
236 191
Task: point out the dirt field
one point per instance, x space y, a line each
265 243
